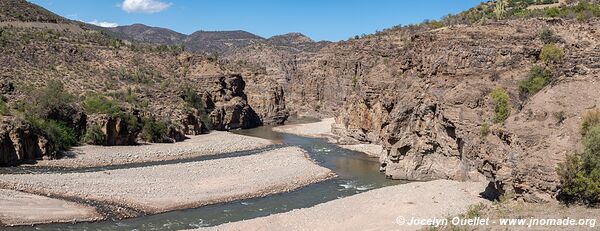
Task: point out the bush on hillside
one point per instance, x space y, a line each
52 98
537 79
155 131
590 120
501 104
547 35
98 104
193 100
580 173
94 135
3 107
551 53
60 135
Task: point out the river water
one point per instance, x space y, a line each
356 172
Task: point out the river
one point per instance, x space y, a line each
356 172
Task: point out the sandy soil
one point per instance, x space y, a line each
375 210
373 150
18 208
162 188
203 145
320 129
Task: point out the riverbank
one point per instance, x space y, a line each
322 129
162 188
214 143
379 209
19 208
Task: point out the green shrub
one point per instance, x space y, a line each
560 116
580 173
551 53
94 135
590 120
547 35
154 131
98 104
193 100
60 135
552 12
49 99
537 79
500 9
485 130
501 104
3 108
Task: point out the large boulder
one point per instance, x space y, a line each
228 105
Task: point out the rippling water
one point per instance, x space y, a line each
356 173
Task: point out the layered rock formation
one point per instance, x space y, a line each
21 143
227 103
428 105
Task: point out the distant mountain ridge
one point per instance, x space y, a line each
210 42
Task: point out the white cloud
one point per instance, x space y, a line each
144 6
103 24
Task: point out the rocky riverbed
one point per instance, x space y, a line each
162 188
214 143
379 209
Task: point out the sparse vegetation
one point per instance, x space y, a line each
194 100
500 9
99 104
485 130
537 79
154 131
94 135
560 116
3 107
551 53
50 99
580 173
590 119
501 104
59 134
547 35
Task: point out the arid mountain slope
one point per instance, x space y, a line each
62 82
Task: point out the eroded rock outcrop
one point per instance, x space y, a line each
22 143
426 98
227 105
116 130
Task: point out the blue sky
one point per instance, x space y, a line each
319 19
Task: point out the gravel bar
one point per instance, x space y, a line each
214 143
162 188
379 209
19 208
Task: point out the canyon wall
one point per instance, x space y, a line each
424 95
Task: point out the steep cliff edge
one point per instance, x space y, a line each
431 109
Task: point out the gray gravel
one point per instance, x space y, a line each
18 208
379 209
169 187
203 145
